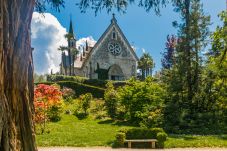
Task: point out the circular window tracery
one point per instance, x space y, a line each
114 48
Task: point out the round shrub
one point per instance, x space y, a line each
54 113
120 139
157 130
161 137
68 94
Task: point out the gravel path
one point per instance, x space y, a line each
125 149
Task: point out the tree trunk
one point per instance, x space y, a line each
188 49
143 73
196 76
16 76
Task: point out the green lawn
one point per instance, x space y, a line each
180 141
73 132
88 132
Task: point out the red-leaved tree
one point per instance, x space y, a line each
45 97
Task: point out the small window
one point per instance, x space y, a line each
114 35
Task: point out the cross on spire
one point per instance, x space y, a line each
113 18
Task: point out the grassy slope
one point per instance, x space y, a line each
73 132
88 132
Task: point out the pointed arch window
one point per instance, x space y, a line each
114 35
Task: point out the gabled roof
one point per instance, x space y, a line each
113 23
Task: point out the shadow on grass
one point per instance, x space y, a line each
81 116
109 121
223 137
189 138
185 137
117 123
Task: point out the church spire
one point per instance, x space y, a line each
71 31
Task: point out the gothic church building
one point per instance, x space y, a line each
111 58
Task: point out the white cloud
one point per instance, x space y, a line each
81 42
47 36
143 50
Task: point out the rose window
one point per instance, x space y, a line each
114 48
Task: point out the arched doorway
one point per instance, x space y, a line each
115 73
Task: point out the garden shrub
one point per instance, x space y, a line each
68 94
157 130
86 102
140 133
111 101
143 102
54 113
83 105
161 137
47 103
98 109
120 139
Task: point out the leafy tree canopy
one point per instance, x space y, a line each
98 5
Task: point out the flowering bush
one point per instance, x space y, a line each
68 94
46 97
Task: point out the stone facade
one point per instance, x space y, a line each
111 58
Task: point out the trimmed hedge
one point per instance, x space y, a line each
93 82
79 88
55 78
83 80
144 133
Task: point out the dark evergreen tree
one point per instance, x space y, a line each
185 76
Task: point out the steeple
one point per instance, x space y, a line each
71 31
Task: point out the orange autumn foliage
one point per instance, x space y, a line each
45 96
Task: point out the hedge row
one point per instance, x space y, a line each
55 78
79 88
93 82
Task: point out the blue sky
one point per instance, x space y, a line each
143 30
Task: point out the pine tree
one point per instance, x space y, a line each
185 76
